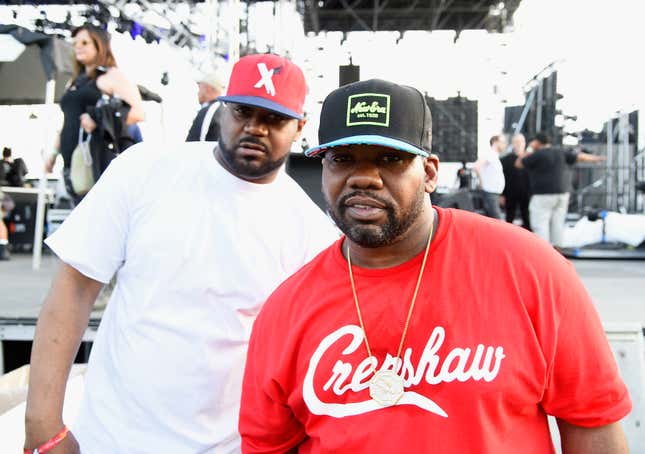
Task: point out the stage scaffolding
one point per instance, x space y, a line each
614 186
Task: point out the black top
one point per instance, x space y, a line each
465 177
548 170
5 171
82 94
517 180
213 130
13 173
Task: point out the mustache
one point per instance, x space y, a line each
342 201
253 140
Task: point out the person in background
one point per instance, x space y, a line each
549 174
166 366
5 166
488 169
12 173
14 169
464 177
5 205
205 126
516 189
96 73
304 145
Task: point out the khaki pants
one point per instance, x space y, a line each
548 213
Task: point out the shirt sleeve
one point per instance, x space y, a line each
508 162
92 239
583 386
530 160
570 156
267 423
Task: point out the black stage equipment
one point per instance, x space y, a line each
307 172
348 74
21 221
512 116
454 129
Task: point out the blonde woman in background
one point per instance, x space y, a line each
96 73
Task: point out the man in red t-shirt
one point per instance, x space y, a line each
423 329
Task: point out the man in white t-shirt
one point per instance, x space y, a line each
197 245
491 176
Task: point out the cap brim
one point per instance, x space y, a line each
368 140
263 103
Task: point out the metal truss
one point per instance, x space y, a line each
399 15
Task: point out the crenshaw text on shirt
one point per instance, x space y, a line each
461 364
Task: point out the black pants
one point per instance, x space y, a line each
490 204
521 202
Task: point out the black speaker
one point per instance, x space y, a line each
348 74
454 129
512 116
21 221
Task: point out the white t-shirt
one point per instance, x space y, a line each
197 252
491 173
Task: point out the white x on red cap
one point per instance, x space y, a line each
266 76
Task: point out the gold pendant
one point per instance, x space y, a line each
386 387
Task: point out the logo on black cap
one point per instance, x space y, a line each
368 109
375 112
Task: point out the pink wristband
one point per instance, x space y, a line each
49 444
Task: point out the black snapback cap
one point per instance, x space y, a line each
375 112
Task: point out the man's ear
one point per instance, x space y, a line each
301 124
431 167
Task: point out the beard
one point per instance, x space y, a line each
249 168
373 235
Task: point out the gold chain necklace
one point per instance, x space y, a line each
386 387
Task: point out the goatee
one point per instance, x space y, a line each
248 168
373 235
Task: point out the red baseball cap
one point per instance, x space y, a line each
270 82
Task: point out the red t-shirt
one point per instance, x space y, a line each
503 333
